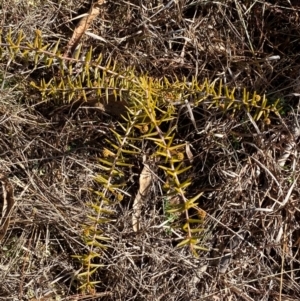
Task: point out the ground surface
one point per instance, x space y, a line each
247 170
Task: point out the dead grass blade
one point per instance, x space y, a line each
146 179
83 26
6 205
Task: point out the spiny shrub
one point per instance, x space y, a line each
150 114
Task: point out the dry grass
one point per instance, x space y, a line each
251 193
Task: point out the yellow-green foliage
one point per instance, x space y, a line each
78 78
153 106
